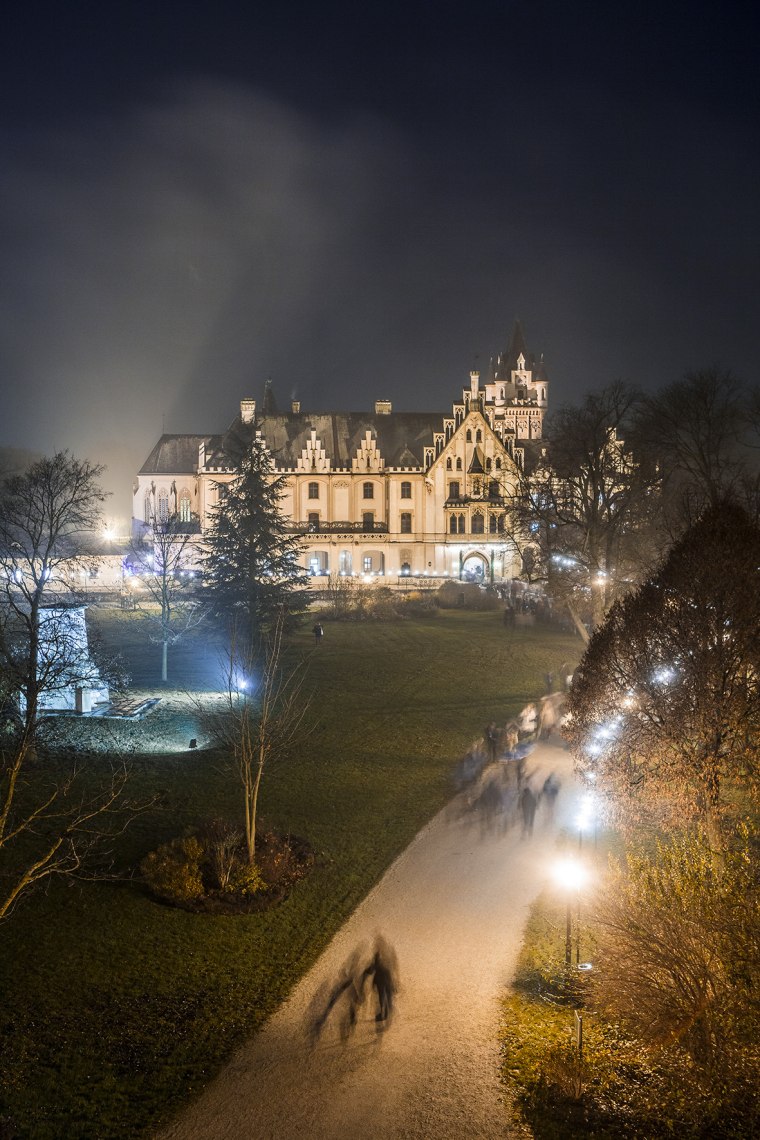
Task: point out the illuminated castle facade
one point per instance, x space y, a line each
380 494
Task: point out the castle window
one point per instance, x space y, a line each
406 490
448 464
368 520
478 523
488 464
492 524
461 524
313 520
453 524
367 563
493 489
498 465
163 505
405 568
454 490
459 464
406 522
500 526
478 436
469 436
313 490
184 506
147 508
368 491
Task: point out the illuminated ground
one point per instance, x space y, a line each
453 906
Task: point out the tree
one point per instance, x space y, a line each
261 720
163 560
47 515
583 516
700 432
48 815
679 944
665 704
251 566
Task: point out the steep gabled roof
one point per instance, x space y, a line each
174 455
401 436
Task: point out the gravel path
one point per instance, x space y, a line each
453 906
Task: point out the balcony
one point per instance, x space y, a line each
336 528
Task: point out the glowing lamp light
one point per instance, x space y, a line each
109 533
570 874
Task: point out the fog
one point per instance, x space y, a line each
162 259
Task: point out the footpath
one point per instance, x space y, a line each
453 907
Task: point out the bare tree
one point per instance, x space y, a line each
261 720
47 515
701 432
582 517
52 814
678 945
165 559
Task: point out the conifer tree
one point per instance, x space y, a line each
252 571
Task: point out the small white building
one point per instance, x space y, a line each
383 494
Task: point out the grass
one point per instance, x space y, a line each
116 1009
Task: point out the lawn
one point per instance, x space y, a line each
116 1009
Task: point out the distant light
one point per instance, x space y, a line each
109 533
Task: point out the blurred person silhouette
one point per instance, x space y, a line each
549 793
382 972
528 804
347 995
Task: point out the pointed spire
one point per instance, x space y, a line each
517 344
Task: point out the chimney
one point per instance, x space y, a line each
474 382
295 407
247 411
383 407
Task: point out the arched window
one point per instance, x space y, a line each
478 436
498 465
369 491
184 506
448 464
406 490
501 524
406 522
489 464
163 505
452 524
493 489
478 523
492 524
459 464
461 524
469 436
313 490
147 508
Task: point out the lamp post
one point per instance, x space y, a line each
571 876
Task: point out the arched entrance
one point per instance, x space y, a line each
475 569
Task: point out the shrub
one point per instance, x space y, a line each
246 880
173 872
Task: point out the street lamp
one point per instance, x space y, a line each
571 876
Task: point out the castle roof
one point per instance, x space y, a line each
174 455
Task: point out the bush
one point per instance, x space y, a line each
246 880
173 872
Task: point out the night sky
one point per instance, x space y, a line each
356 200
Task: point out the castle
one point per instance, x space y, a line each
381 494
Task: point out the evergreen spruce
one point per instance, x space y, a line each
252 571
